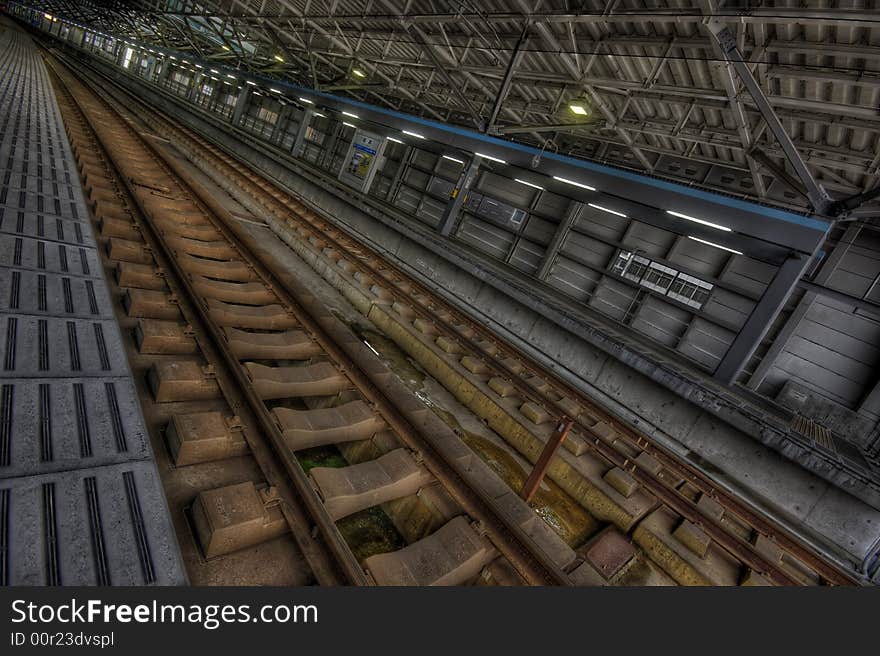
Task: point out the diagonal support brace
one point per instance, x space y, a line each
819 198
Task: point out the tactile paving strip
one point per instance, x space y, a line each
80 500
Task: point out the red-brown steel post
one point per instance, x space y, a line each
556 439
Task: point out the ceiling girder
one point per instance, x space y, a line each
647 73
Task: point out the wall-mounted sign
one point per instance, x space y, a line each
359 165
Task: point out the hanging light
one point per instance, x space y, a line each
581 106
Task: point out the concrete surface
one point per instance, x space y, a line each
81 498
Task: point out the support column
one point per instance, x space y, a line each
453 208
240 105
828 267
280 124
216 91
574 210
301 132
164 73
762 317
398 174
330 149
151 70
193 86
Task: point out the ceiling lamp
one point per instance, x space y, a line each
580 106
279 58
358 72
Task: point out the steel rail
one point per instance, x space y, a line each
685 507
509 538
342 553
296 516
754 518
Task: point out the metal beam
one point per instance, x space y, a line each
825 270
851 203
512 65
241 104
574 209
740 119
760 156
453 208
761 319
819 198
549 38
553 127
297 149
842 297
443 69
280 124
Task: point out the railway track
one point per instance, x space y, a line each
262 370
765 551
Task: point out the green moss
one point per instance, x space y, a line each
370 532
320 456
367 532
564 515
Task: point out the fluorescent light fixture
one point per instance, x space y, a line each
394 140
494 159
453 159
197 65
319 114
576 184
605 209
231 77
350 114
274 90
225 47
351 125
253 84
700 221
709 243
578 109
279 58
413 134
527 183
214 70
358 72
306 100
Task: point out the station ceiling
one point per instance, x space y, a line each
656 93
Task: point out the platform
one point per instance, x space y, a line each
80 498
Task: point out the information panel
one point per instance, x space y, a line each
360 162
